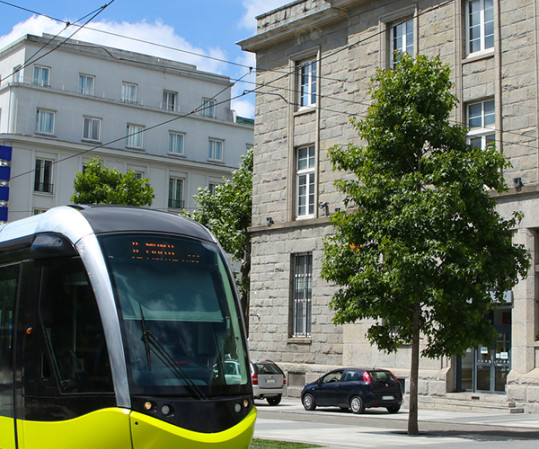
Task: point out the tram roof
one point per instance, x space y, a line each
77 221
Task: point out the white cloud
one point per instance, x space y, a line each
256 7
110 33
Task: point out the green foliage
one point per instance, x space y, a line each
102 185
422 227
227 213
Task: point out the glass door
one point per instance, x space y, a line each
485 367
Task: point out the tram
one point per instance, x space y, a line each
116 325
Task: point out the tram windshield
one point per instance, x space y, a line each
180 320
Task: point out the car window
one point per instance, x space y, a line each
334 376
382 376
267 368
350 376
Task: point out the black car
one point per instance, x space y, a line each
355 389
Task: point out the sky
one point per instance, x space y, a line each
204 29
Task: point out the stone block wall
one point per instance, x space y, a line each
350 48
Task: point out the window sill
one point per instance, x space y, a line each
485 54
299 341
90 141
304 110
178 155
135 148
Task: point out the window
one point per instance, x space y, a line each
402 40
212 186
208 107
480 25
45 121
302 295
129 92
307 76
215 150
73 328
134 136
43 176
169 100
41 76
17 73
481 124
86 84
305 182
175 193
175 142
91 129
9 277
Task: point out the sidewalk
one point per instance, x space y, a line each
335 429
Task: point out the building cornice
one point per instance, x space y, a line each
291 29
88 150
118 55
180 115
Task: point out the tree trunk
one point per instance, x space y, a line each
413 428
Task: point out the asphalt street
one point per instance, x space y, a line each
440 429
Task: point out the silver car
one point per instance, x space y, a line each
269 381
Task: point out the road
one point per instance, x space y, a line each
335 429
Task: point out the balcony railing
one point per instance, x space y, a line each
43 187
176 204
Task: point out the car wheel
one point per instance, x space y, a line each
308 401
274 400
394 409
356 404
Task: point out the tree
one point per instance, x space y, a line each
227 213
421 249
102 185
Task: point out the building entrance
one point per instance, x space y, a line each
485 368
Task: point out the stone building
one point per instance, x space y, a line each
315 59
62 103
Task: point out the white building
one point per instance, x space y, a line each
163 119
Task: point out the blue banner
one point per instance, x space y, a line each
5 153
5 173
4 193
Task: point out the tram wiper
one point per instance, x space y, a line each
152 344
146 339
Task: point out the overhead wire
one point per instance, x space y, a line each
259 86
144 130
31 59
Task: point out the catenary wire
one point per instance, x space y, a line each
146 129
264 85
31 59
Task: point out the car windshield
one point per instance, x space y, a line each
180 319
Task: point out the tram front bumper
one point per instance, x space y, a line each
152 433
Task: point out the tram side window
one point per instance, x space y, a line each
8 292
73 328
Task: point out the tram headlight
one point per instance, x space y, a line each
237 407
148 406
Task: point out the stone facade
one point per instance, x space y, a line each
350 40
